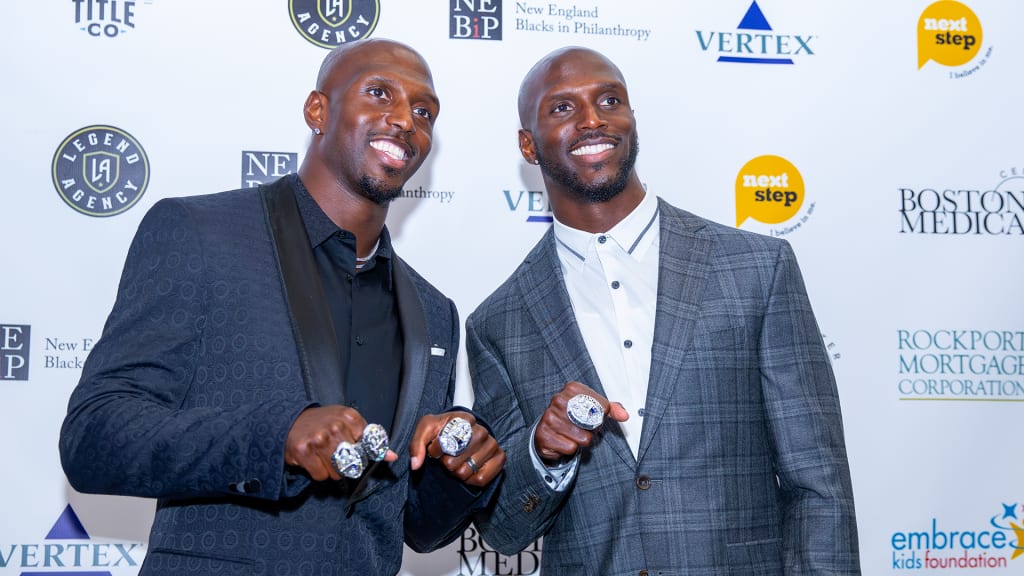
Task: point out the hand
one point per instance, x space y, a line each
557 437
488 456
315 435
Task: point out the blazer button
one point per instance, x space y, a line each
643 482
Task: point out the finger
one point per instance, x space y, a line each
426 430
617 412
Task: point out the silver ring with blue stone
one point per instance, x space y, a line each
585 412
455 436
375 442
349 460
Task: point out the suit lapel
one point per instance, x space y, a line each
543 290
312 327
683 271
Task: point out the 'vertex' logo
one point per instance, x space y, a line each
534 202
936 547
68 551
331 23
475 19
948 33
755 42
769 189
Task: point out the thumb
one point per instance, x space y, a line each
617 412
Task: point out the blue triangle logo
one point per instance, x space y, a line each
754 19
67 527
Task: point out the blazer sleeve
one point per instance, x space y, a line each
440 506
129 429
819 523
525 506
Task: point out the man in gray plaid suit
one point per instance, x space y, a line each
722 451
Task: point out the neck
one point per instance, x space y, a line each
596 217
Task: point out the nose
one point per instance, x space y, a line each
400 116
591 118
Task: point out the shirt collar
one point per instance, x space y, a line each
319 227
632 233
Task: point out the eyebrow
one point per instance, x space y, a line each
567 93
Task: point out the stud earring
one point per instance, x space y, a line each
317 131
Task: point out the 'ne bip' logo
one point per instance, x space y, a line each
475 19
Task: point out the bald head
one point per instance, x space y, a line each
363 50
557 66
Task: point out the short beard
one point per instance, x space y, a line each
376 191
592 193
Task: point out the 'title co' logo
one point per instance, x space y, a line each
331 23
948 33
100 170
475 19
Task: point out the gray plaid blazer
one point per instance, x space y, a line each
742 466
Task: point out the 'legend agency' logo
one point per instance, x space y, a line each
475 19
331 23
100 170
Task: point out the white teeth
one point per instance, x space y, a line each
389 149
591 149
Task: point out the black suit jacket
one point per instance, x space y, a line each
189 394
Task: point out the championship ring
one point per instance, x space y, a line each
348 460
374 442
585 412
455 436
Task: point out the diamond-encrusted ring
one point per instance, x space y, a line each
348 460
585 412
455 436
374 442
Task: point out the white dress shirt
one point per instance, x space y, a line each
612 280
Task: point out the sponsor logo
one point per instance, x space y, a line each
534 203
982 211
15 344
65 353
755 42
551 17
100 170
960 364
475 19
331 23
421 193
938 546
949 33
265 167
68 551
478 559
770 190
105 18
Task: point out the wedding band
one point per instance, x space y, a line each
349 460
585 412
374 442
455 436
472 465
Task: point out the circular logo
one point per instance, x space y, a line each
948 33
331 23
100 170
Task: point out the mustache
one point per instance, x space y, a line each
593 135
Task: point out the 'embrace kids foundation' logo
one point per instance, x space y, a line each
949 33
992 545
331 23
770 189
755 42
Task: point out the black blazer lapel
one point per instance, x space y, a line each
315 338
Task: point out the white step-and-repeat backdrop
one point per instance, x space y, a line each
882 139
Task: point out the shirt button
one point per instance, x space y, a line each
615 284
602 239
628 343
641 412
643 482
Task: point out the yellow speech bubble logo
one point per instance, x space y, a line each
948 33
769 189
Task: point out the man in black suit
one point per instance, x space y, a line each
255 335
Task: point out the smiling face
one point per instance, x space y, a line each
578 125
376 106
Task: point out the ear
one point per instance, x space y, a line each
526 146
315 110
